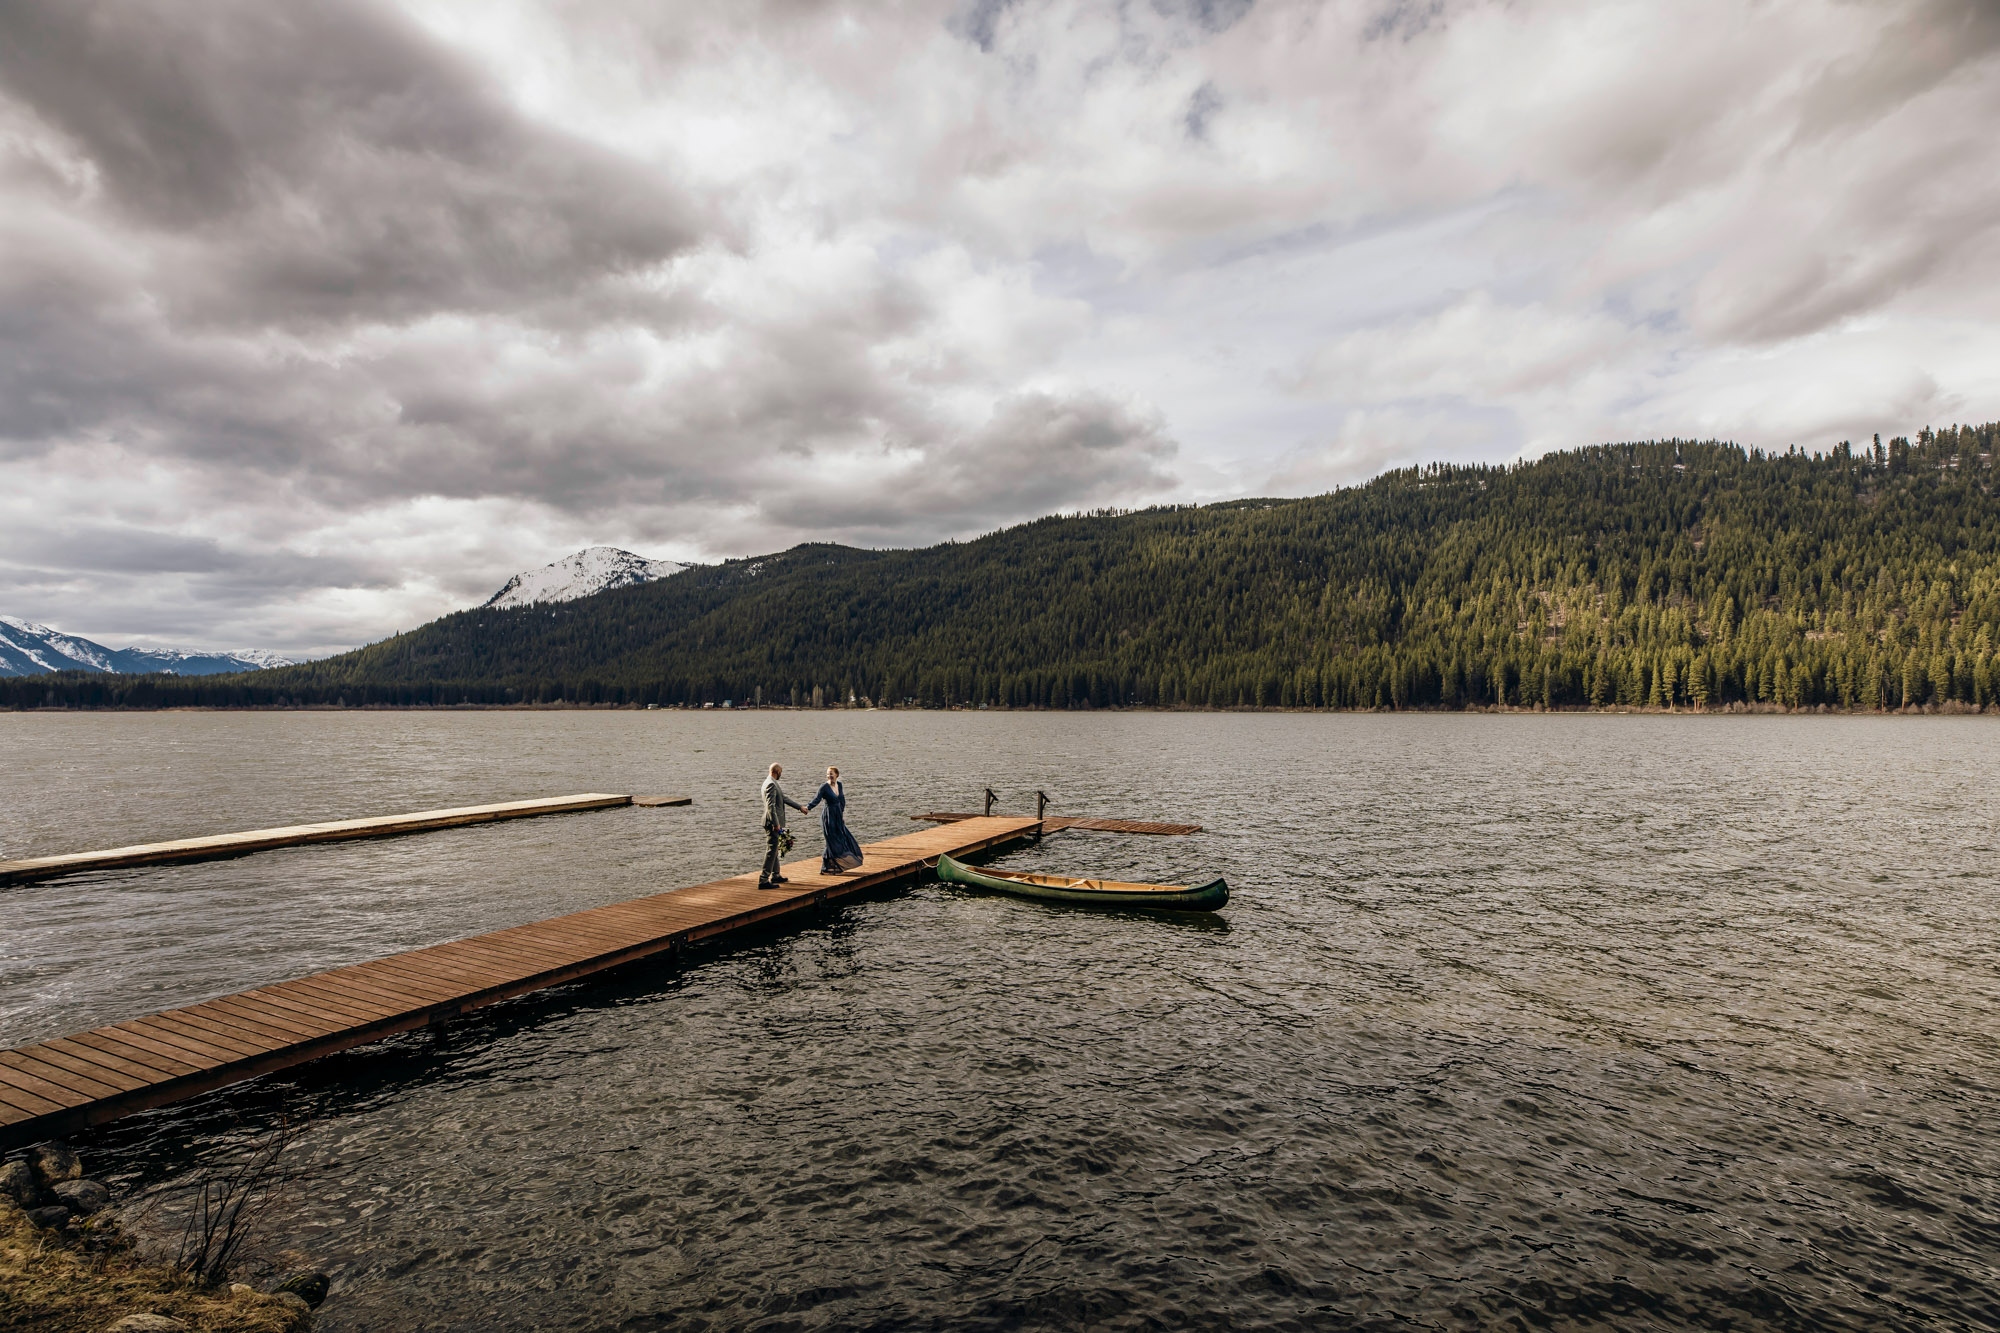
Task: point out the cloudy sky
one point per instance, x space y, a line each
320 319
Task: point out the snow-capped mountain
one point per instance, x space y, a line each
196 664
590 570
28 649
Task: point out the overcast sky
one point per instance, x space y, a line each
318 320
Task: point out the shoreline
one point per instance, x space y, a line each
69 1262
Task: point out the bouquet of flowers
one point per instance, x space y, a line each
785 841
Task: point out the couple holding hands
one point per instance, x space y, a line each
842 851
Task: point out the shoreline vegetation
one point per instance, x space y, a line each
1670 575
69 1263
97 1284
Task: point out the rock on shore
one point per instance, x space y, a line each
82 1197
18 1185
54 1163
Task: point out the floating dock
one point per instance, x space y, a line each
57 1087
1056 823
222 845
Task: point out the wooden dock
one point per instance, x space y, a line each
1056 823
57 1087
222 845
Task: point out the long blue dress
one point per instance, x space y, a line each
842 851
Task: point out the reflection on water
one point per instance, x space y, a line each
1514 1021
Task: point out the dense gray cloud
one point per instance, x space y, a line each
318 319
324 161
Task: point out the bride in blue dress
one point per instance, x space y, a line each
842 851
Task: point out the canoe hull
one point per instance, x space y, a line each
1197 898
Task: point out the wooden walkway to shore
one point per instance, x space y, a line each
220 845
57 1087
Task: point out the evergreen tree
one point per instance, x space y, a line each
1665 574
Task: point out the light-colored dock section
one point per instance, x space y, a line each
220 845
57 1087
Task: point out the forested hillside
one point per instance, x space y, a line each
1665 573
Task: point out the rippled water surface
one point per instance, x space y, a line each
1525 1021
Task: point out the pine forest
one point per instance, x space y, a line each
1668 574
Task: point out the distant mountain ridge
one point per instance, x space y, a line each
29 649
591 570
1657 574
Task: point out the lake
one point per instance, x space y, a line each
1550 1021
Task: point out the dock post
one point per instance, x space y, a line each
989 801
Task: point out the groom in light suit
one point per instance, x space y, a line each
775 802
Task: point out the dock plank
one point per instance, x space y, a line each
367 987
280 997
128 1048
194 1032
356 1007
52 1081
271 1016
59 1086
459 975
92 1059
340 994
253 1030
367 979
521 957
219 845
317 1003
571 938
199 1054
26 1103
466 966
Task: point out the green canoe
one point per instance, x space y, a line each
1089 892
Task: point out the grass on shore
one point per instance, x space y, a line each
84 1280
